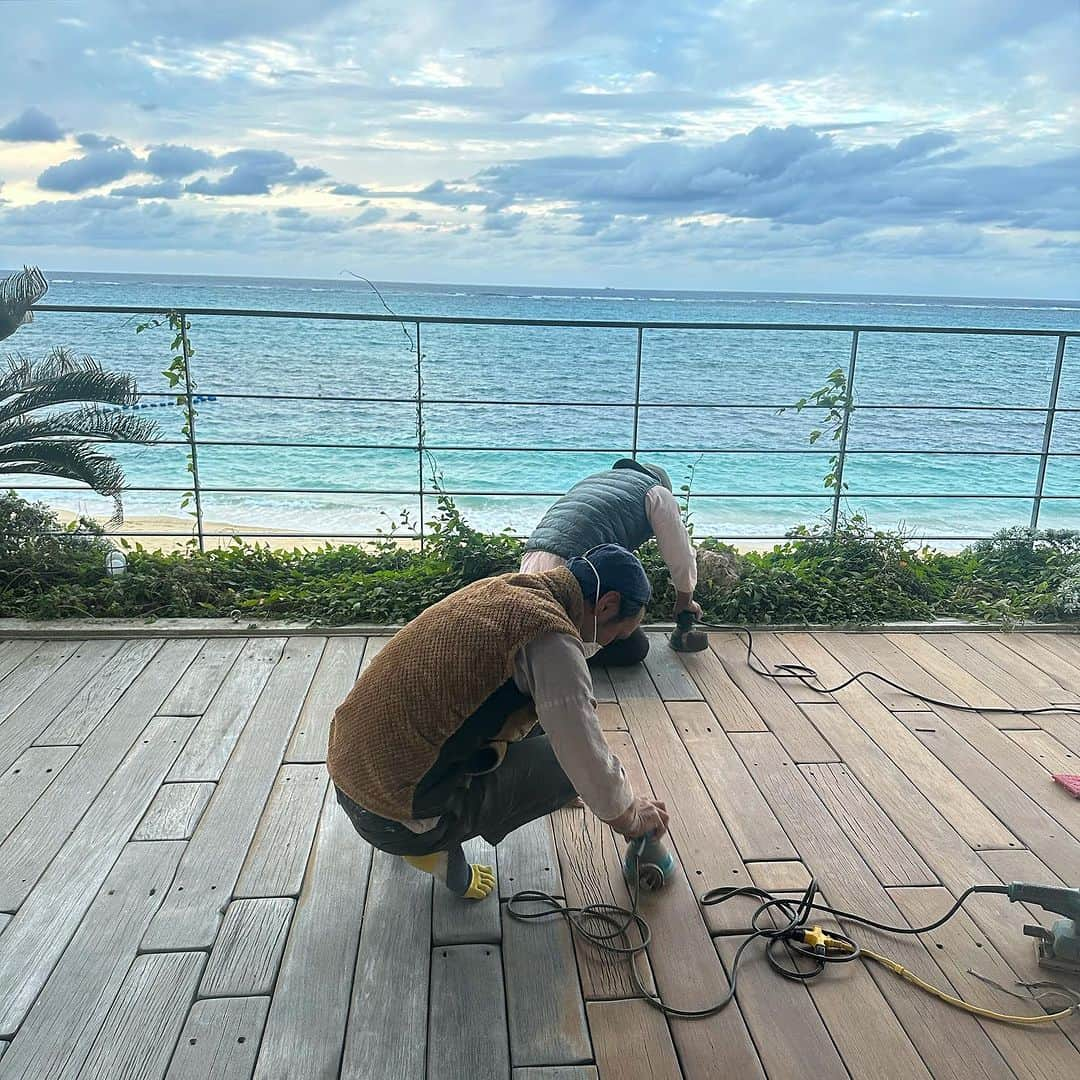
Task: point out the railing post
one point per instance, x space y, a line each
420 433
192 441
1048 431
637 393
849 397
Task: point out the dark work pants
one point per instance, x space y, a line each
530 783
629 651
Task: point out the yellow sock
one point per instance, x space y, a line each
471 881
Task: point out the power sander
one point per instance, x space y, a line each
684 638
1058 948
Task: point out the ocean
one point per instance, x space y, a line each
709 415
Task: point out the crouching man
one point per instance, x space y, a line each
439 739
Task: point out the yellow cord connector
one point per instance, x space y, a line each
817 939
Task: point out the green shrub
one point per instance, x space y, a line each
858 576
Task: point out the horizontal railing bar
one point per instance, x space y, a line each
584 449
614 324
413 492
605 404
515 536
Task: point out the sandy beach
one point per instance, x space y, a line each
152 531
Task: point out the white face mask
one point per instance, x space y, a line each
593 647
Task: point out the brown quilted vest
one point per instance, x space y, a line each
433 675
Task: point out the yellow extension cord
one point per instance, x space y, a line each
816 937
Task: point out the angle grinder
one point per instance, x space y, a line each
649 862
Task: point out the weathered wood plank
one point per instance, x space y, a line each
1062 667
962 947
790 876
799 1045
611 717
1023 809
1045 749
27 779
943 849
191 913
48 824
781 715
12 654
592 872
955 1049
196 689
1026 675
989 669
279 853
771 651
929 672
705 847
689 973
942 789
743 809
30 676
527 860
388 1017
966 672
667 671
98 693
558 1072
214 737
175 812
146 1018
47 920
335 676
455 921
870 1038
467 1018
305 1030
543 996
220 1040
248 947
887 852
632 1042
57 1034
40 687
733 712
602 688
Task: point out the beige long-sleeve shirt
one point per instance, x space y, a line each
671 536
552 670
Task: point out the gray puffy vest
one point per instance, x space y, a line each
605 508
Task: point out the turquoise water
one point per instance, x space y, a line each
758 370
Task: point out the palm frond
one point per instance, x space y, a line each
90 422
67 460
60 379
19 293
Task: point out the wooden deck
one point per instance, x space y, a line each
182 898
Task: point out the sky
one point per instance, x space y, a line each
924 147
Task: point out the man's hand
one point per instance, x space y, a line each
686 602
640 817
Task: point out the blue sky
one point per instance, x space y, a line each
844 146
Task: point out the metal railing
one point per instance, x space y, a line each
422 449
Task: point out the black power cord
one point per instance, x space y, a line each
808 676
609 928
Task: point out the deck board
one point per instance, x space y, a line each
202 763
